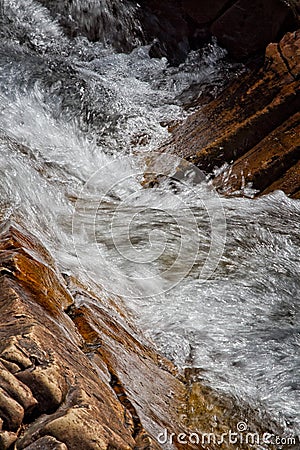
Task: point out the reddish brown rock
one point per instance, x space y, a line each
7 438
253 125
85 378
11 412
46 384
289 182
276 157
98 384
16 389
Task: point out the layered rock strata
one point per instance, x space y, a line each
253 127
76 374
73 375
73 372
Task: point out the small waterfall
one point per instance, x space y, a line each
114 23
77 123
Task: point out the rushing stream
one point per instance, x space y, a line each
213 282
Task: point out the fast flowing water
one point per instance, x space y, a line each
213 281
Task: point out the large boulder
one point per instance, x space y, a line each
243 28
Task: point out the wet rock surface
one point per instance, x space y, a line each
243 29
55 390
77 380
253 127
246 30
75 373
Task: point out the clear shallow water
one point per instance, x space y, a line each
214 282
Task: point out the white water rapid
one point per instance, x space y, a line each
214 282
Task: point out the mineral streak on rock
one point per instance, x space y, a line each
253 126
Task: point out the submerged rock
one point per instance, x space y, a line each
253 127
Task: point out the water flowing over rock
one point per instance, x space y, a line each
76 374
176 27
78 121
111 22
73 378
253 126
243 29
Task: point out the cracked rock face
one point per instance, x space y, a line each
253 127
76 374
78 381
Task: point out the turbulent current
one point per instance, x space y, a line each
214 282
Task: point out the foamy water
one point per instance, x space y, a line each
214 282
